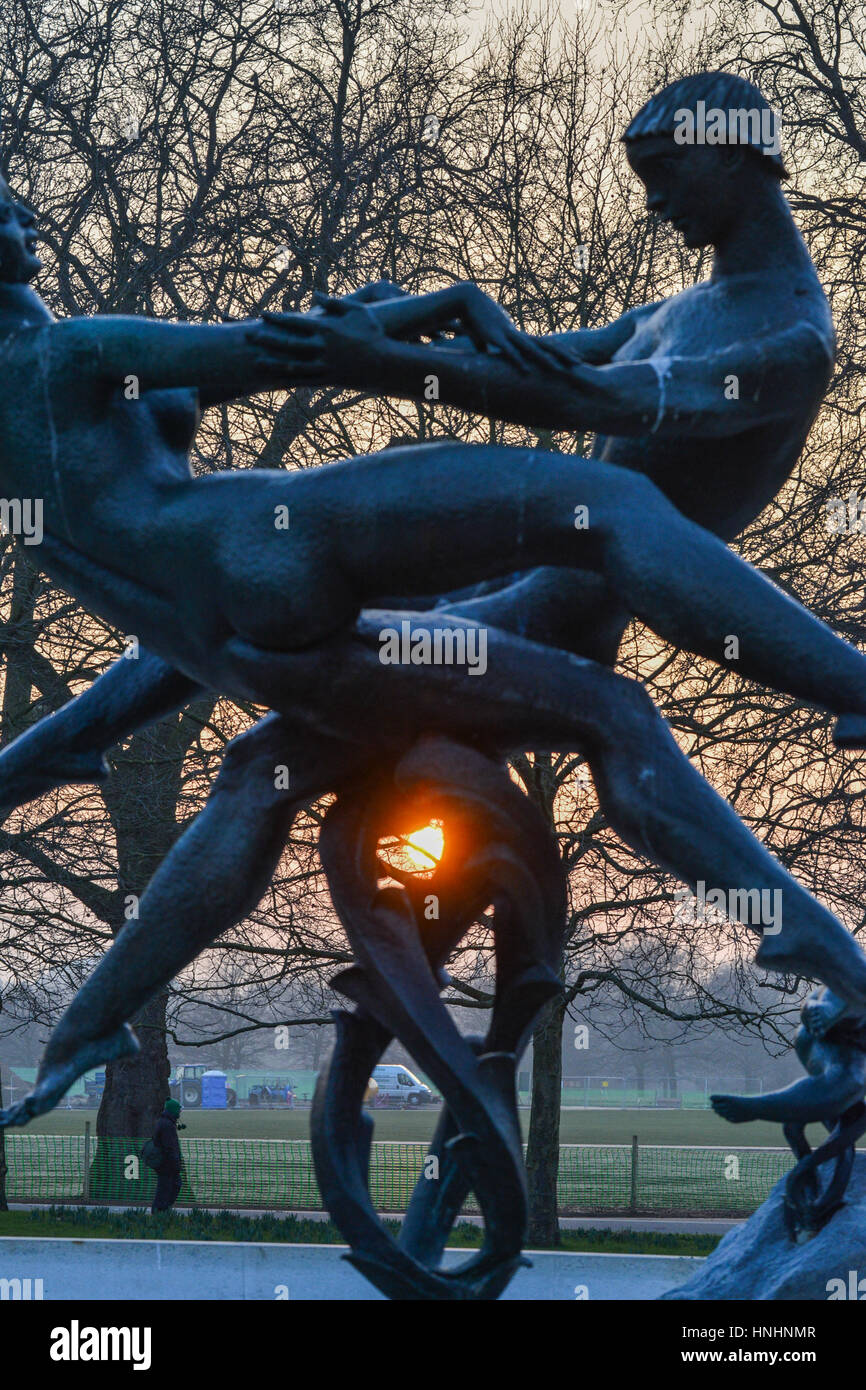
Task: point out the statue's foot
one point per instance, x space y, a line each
849 731
62 1067
736 1109
24 778
829 954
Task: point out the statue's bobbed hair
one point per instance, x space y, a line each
722 91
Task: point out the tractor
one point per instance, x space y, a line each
185 1085
274 1092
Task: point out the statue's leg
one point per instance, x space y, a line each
682 824
574 610
531 696
661 805
213 877
70 745
432 517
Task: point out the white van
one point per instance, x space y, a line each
398 1086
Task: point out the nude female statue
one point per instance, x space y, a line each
223 599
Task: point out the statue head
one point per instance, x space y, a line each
705 148
19 262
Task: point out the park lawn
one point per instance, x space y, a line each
201 1225
693 1127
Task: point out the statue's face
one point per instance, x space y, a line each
18 259
697 188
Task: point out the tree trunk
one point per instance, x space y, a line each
18 639
136 1088
15 714
141 799
4 1205
542 1157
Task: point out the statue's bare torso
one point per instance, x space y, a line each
723 487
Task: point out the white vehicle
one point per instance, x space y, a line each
397 1086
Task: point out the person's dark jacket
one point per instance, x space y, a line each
165 1135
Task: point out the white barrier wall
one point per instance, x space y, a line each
180 1269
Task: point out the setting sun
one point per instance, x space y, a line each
425 846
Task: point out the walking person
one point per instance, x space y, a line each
168 1181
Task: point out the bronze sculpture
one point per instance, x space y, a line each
701 405
834 1056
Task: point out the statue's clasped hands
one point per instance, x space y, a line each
338 332
311 346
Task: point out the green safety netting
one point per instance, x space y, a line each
593 1178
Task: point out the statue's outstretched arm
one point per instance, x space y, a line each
216 358
714 395
811 1100
367 329
465 306
462 306
598 345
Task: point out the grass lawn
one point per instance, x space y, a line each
200 1225
698 1127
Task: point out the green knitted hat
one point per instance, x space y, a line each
173 1108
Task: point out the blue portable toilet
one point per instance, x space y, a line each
213 1090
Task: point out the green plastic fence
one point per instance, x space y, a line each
619 1097
594 1179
